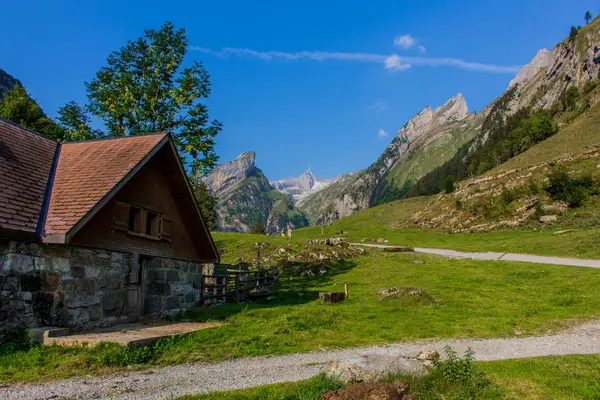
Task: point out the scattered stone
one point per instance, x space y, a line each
398 249
388 292
547 219
339 242
419 262
428 357
375 367
397 390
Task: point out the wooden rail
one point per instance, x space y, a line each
237 285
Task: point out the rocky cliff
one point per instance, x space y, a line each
246 200
574 62
357 191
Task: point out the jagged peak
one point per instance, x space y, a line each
455 108
247 154
228 174
540 61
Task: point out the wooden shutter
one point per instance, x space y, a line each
165 228
120 216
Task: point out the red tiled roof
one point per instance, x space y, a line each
87 171
26 160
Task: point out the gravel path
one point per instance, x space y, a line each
574 262
169 382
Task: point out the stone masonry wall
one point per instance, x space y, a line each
172 285
81 288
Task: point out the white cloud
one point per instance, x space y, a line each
391 62
382 133
404 42
394 63
421 49
378 107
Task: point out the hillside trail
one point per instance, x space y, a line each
170 382
494 256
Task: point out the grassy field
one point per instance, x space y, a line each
382 222
544 378
461 298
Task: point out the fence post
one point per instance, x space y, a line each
237 288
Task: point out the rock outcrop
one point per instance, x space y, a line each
539 62
246 201
231 173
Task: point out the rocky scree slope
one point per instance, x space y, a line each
446 127
246 200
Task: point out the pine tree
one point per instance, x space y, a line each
588 17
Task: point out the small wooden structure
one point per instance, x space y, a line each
332 297
236 285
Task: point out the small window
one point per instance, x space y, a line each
152 224
135 219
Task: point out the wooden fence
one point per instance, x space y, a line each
238 286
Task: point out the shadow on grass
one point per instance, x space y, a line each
297 285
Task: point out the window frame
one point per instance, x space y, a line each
143 222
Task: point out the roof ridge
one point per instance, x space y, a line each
101 139
28 130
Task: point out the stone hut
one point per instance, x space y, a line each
96 233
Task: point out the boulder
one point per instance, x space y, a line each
548 219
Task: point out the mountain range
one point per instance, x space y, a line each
431 145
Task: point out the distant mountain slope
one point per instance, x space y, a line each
300 187
551 91
246 200
7 83
430 136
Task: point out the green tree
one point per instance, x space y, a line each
258 227
144 89
588 17
449 184
76 123
573 33
21 109
206 202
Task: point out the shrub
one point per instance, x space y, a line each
449 184
533 187
508 196
572 191
462 377
538 210
589 86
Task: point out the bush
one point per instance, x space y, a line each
449 184
461 377
589 86
572 191
533 187
508 196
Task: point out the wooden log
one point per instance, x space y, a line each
332 297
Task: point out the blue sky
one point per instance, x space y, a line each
317 82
